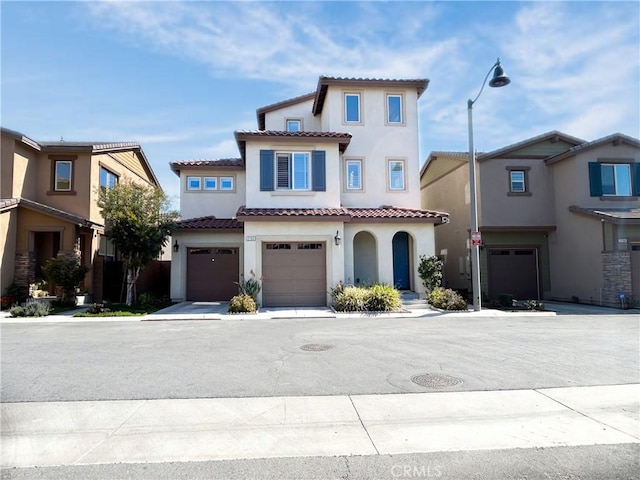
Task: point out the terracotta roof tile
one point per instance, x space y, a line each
221 162
283 133
292 212
394 212
210 223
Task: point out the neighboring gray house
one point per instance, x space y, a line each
559 218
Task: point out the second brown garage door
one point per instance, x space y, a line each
211 273
294 274
514 271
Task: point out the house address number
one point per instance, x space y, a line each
251 238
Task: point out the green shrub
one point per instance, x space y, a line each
506 300
146 300
15 295
533 305
66 273
351 299
30 309
242 304
249 287
98 308
447 299
430 272
383 298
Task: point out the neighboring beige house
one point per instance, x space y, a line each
48 204
326 190
559 218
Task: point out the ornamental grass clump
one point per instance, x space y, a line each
30 309
351 299
242 304
446 299
373 298
383 298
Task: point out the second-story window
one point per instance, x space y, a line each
616 179
63 175
352 112
292 171
294 125
194 183
108 179
516 181
353 174
394 109
396 175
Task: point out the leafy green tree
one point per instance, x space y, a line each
66 273
430 272
138 221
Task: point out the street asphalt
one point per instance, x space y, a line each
314 394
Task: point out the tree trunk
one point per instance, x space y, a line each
132 277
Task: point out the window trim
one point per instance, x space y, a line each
387 121
360 161
109 173
358 94
188 183
513 193
286 124
291 170
55 159
404 174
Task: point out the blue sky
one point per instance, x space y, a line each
180 77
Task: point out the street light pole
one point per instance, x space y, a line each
499 80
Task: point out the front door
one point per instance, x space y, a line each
401 277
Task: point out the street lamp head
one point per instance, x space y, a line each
499 78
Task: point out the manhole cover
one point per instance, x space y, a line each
315 347
435 380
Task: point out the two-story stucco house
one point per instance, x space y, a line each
326 190
49 204
559 218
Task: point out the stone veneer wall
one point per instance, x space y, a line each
25 268
616 277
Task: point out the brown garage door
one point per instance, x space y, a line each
211 273
514 271
294 274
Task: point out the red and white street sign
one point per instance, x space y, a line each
476 239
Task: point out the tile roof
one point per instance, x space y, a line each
283 133
420 84
260 113
55 212
615 138
222 162
210 223
379 214
612 215
8 203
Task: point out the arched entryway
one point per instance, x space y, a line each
365 259
401 261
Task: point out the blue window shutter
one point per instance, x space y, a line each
266 170
318 171
635 175
595 179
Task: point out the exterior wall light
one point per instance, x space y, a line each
176 247
337 239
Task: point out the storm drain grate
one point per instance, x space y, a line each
435 380
315 347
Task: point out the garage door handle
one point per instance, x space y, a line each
213 259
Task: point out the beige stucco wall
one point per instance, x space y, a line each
498 209
275 120
8 227
218 203
292 199
188 240
297 232
376 143
451 194
30 221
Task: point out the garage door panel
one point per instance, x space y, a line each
513 271
211 273
294 274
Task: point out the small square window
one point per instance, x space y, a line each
517 181
210 183
226 183
194 183
63 175
396 175
353 174
352 107
294 125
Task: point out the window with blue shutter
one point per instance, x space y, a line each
636 179
266 170
595 179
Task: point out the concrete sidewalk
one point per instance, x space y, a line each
76 433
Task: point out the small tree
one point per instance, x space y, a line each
430 272
138 222
65 273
